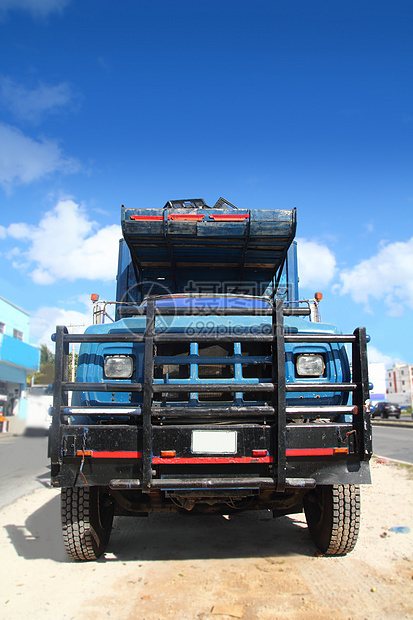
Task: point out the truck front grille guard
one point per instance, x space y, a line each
278 386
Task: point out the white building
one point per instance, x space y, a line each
377 376
399 384
18 358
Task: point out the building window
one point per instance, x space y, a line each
17 334
2 328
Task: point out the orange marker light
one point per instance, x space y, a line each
168 454
318 296
94 297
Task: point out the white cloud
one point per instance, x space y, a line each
316 264
67 245
31 104
24 160
387 276
38 8
43 323
376 356
20 231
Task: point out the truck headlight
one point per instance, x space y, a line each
310 365
118 366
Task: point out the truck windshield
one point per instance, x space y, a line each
211 301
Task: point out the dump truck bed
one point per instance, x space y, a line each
207 244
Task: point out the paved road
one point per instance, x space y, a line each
24 466
393 442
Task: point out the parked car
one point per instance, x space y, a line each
385 409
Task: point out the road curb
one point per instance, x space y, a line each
396 423
390 460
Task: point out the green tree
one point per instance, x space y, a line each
46 356
45 375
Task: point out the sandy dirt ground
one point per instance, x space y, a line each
211 568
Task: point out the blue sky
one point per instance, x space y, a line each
271 104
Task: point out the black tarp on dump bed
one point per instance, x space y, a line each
208 244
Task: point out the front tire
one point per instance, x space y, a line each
87 517
333 517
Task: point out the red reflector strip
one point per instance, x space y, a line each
105 454
309 452
211 460
220 217
189 217
167 456
147 218
314 451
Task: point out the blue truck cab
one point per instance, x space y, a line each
214 389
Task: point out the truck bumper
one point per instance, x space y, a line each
111 455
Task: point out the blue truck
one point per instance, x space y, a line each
214 389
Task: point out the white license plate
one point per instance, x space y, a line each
214 442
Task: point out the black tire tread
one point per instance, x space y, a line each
346 519
79 536
335 528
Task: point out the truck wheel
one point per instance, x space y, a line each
333 517
87 516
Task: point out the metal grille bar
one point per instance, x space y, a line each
278 378
195 311
60 396
361 392
276 386
147 398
